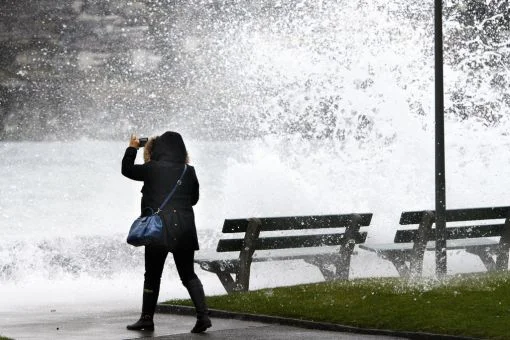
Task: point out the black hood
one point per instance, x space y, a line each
169 147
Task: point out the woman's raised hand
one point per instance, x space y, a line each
134 142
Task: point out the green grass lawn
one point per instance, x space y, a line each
476 305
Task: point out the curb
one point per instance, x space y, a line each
324 326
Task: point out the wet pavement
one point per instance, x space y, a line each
71 323
110 324
276 332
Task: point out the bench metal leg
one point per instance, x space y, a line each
223 274
242 267
227 281
484 254
398 259
343 265
504 244
322 263
502 258
342 260
419 244
416 263
329 275
242 282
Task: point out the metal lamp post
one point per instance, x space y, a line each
439 140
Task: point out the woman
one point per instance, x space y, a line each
164 164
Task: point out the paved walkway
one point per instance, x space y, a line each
275 332
70 324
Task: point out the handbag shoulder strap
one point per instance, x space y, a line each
179 182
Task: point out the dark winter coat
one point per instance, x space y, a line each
159 177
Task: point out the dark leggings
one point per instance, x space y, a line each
155 261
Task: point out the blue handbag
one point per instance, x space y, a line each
147 230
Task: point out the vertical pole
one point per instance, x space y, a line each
440 154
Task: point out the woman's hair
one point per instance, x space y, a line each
147 151
167 147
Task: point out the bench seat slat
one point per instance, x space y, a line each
474 231
454 215
487 230
208 256
284 242
431 245
295 223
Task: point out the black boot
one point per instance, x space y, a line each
145 323
196 292
150 298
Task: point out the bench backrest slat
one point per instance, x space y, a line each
488 230
286 242
295 223
454 215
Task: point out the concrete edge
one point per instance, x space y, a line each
216 313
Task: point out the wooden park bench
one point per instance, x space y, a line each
297 238
473 230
